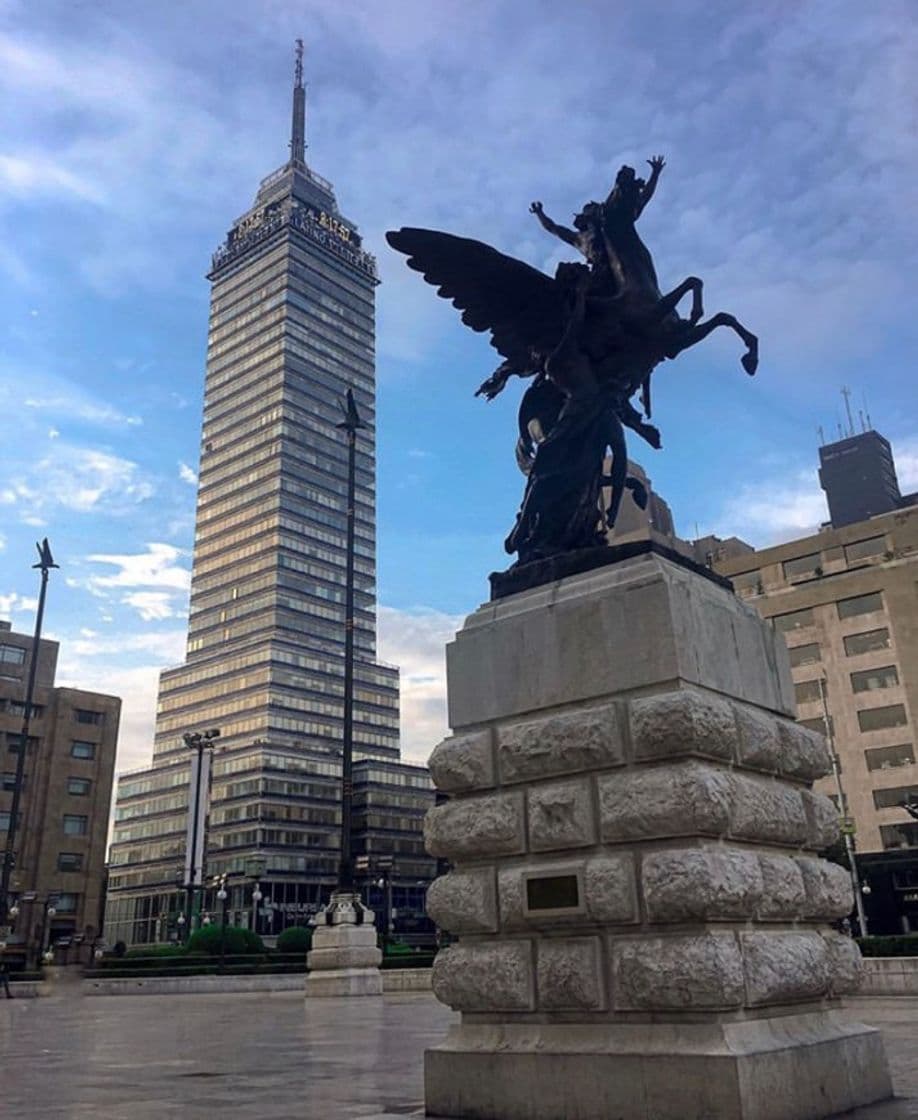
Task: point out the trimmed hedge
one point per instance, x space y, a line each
234 941
295 939
896 945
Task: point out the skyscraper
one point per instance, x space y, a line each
291 329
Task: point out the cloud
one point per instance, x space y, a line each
415 641
83 480
20 604
157 567
186 474
152 606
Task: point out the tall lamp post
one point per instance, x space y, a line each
45 564
199 742
345 925
859 889
350 425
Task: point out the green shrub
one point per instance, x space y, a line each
156 951
397 948
896 945
295 939
236 942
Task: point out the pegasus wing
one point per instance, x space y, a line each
520 306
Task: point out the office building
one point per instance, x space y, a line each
291 330
66 795
845 599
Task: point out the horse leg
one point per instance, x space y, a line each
671 300
619 474
695 334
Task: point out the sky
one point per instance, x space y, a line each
131 136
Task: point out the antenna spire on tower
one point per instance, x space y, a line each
298 126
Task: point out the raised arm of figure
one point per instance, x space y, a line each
657 163
568 235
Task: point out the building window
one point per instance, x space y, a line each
804 655
13 739
806 692
66 903
818 724
9 781
70 861
867 641
79 787
75 825
793 620
83 715
17 708
861 550
11 655
747 581
884 758
899 835
4 820
865 680
860 604
893 798
80 749
802 567
876 719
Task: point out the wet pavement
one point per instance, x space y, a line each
272 1056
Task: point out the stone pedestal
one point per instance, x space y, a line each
643 918
344 959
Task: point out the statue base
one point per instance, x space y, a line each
644 921
523 577
344 959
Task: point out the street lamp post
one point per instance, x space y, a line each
256 900
198 741
345 925
859 890
45 564
223 896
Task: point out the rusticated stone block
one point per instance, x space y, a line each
768 810
584 740
783 892
689 798
681 723
611 892
668 973
464 901
569 974
805 754
476 826
493 976
561 816
697 884
759 745
829 893
846 965
823 826
783 967
463 762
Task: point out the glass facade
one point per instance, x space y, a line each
292 328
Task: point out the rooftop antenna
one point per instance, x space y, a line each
866 410
846 393
860 413
822 436
298 125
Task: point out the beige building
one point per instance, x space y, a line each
64 808
846 600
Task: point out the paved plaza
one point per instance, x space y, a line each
271 1056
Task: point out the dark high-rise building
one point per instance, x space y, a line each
291 330
859 477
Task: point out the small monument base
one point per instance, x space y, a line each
344 959
792 1068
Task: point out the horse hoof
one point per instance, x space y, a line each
750 363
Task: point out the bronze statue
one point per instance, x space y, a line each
590 336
